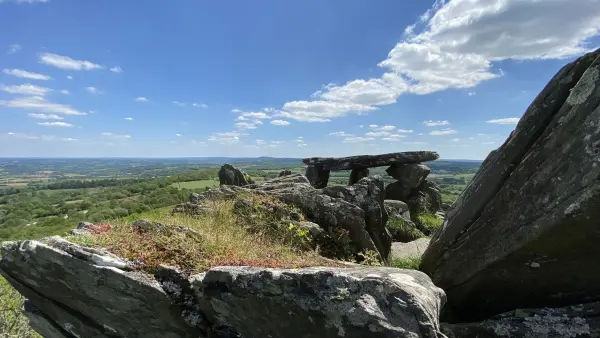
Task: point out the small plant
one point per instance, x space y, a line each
13 323
369 257
428 223
403 231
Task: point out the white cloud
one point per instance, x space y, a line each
394 137
248 125
405 131
508 120
270 110
414 142
65 62
261 142
55 124
69 77
22 135
340 133
25 74
45 116
432 123
116 70
236 111
320 111
40 103
242 118
68 139
471 93
358 139
280 123
258 115
13 48
373 126
178 135
141 99
302 145
446 131
455 140
129 118
26 89
64 92
380 91
93 90
378 133
277 142
181 104
231 137
113 135
199 105
382 128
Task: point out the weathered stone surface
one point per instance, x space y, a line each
230 175
525 231
434 195
396 208
42 324
370 161
397 192
321 302
582 320
409 175
90 294
414 249
82 229
317 176
285 173
357 174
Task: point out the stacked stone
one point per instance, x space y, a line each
413 188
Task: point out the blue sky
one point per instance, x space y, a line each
277 78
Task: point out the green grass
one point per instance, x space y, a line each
427 222
196 184
401 231
406 263
13 323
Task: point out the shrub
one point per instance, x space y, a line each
13 323
426 222
406 263
403 231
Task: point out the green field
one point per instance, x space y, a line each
196 184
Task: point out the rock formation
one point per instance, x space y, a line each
524 233
318 168
285 173
75 291
230 175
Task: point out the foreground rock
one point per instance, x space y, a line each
582 320
358 209
524 234
230 175
73 294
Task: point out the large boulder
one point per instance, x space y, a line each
75 291
321 302
357 174
409 175
524 233
230 175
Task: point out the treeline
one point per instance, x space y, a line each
83 184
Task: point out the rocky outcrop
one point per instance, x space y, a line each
74 291
582 320
318 168
524 233
285 173
356 209
409 175
397 209
410 250
230 175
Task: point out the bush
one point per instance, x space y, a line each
406 263
13 323
403 231
426 222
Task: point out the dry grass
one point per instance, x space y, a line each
220 238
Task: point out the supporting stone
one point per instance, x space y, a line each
357 174
317 176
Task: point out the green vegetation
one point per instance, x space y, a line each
427 222
222 237
13 323
402 231
406 263
202 184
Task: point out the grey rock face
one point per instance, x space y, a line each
370 161
357 174
397 192
74 297
230 175
397 208
321 302
524 233
317 176
409 175
582 320
88 293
